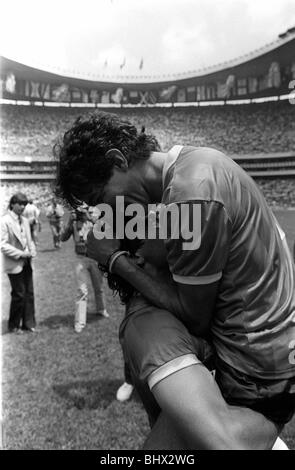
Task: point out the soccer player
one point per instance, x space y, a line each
155 345
234 283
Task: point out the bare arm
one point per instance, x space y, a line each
194 301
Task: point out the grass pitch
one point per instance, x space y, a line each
58 386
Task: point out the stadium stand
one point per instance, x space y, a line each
235 129
261 137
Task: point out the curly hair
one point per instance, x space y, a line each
81 160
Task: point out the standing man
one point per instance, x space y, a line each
233 278
54 214
32 213
78 226
18 250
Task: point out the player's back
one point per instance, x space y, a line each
243 246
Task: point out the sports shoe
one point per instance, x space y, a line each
78 327
30 330
104 314
124 392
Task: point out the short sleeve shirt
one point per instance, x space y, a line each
228 234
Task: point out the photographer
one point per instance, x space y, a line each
54 214
78 226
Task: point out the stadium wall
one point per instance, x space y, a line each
37 168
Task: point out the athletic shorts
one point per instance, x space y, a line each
156 344
275 399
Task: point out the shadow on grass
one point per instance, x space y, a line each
54 322
47 250
57 321
88 394
94 317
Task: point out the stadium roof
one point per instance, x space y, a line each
249 64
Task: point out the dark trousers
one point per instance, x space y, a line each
56 233
22 309
127 374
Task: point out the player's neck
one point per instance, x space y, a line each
152 170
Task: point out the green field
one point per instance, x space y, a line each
58 386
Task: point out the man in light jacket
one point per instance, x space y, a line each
18 250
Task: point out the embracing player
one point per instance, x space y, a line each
236 285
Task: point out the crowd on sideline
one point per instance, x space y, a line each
235 129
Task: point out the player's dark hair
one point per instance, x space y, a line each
115 282
81 155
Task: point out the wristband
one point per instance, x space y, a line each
113 258
107 264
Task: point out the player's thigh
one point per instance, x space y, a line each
192 400
154 341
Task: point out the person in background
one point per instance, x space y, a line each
18 249
54 213
32 213
78 226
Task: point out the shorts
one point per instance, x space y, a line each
275 399
156 344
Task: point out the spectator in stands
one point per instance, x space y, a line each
237 129
54 213
18 249
32 213
78 226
